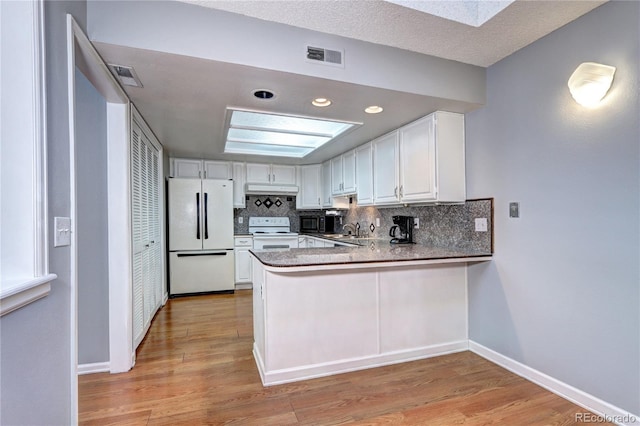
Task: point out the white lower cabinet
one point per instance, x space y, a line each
243 267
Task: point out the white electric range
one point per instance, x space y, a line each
272 233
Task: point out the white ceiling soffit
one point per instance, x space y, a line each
382 22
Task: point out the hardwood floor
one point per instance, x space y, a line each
196 367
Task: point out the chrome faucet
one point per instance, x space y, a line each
350 227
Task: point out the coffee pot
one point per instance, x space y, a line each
402 230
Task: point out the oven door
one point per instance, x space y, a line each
284 242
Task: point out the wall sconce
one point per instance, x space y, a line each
590 82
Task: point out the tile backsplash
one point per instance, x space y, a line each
449 226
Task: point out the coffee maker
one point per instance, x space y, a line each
402 230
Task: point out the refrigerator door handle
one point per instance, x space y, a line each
206 219
198 215
218 253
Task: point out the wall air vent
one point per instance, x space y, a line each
126 75
324 56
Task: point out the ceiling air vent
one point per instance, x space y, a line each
126 75
325 56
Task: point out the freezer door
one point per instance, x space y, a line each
185 206
201 271
217 214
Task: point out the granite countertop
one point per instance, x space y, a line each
375 251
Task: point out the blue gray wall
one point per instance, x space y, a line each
91 223
35 360
562 293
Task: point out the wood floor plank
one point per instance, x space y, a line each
195 367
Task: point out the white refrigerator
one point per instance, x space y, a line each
201 257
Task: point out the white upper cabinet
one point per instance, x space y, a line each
283 175
258 173
186 168
200 169
343 174
364 174
349 172
421 162
385 169
239 179
217 170
328 200
326 184
310 180
273 174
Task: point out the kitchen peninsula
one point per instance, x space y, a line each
326 311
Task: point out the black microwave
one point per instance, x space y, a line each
324 224
311 223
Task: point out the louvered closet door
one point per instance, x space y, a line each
147 261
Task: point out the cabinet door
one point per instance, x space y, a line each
243 265
326 184
239 179
187 168
385 169
309 196
283 175
364 174
217 170
258 173
349 172
417 161
336 176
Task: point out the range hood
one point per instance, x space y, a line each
266 189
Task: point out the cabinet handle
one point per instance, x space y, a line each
395 191
318 200
400 190
274 177
204 174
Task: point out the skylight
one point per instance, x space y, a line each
470 12
261 133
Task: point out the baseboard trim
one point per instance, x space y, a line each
277 377
96 367
604 410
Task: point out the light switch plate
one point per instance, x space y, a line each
416 222
481 224
514 209
62 231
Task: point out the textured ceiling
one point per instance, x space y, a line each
186 108
381 22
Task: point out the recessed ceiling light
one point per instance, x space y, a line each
263 94
321 102
373 109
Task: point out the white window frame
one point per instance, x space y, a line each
24 271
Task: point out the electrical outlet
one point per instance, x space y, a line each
377 222
240 219
481 224
416 222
